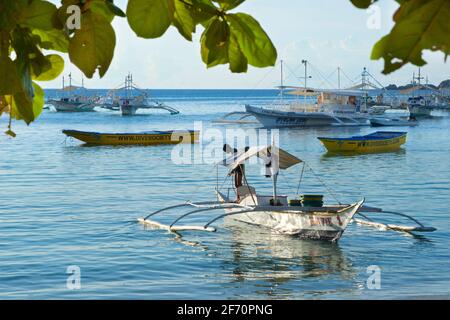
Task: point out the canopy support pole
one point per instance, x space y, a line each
275 189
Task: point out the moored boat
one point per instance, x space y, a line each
308 218
327 222
78 104
74 99
387 122
142 138
380 141
132 100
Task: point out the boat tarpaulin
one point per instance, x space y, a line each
284 159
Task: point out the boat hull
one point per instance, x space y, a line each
420 111
324 223
392 123
317 225
279 119
362 145
64 106
149 138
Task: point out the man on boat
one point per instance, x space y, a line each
237 173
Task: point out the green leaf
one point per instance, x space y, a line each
28 108
53 40
420 25
187 14
253 40
38 100
57 66
362 4
238 61
183 19
92 46
114 9
10 133
214 43
229 4
39 14
10 12
149 18
204 10
101 7
9 84
4 105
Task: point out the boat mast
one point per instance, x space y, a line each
282 82
364 86
418 78
305 62
339 78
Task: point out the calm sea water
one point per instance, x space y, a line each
63 204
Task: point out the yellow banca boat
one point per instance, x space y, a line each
142 138
380 141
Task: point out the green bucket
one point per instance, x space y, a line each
295 203
312 200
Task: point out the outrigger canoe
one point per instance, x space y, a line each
309 218
142 138
380 141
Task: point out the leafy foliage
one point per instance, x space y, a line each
29 27
419 25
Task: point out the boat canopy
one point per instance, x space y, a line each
317 92
267 153
303 93
363 86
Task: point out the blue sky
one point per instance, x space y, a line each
328 33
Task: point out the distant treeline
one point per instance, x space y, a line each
443 85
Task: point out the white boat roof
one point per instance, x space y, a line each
285 159
339 92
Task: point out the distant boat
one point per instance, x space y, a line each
424 98
380 141
132 100
142 138
313 108
420 107
73 102
394 117
386 122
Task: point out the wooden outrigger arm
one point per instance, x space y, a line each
202 207
215 205
186 204
369 222
204 210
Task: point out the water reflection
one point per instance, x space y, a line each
256 249
400 152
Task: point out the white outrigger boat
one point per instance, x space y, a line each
75 99
321 222
133 100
